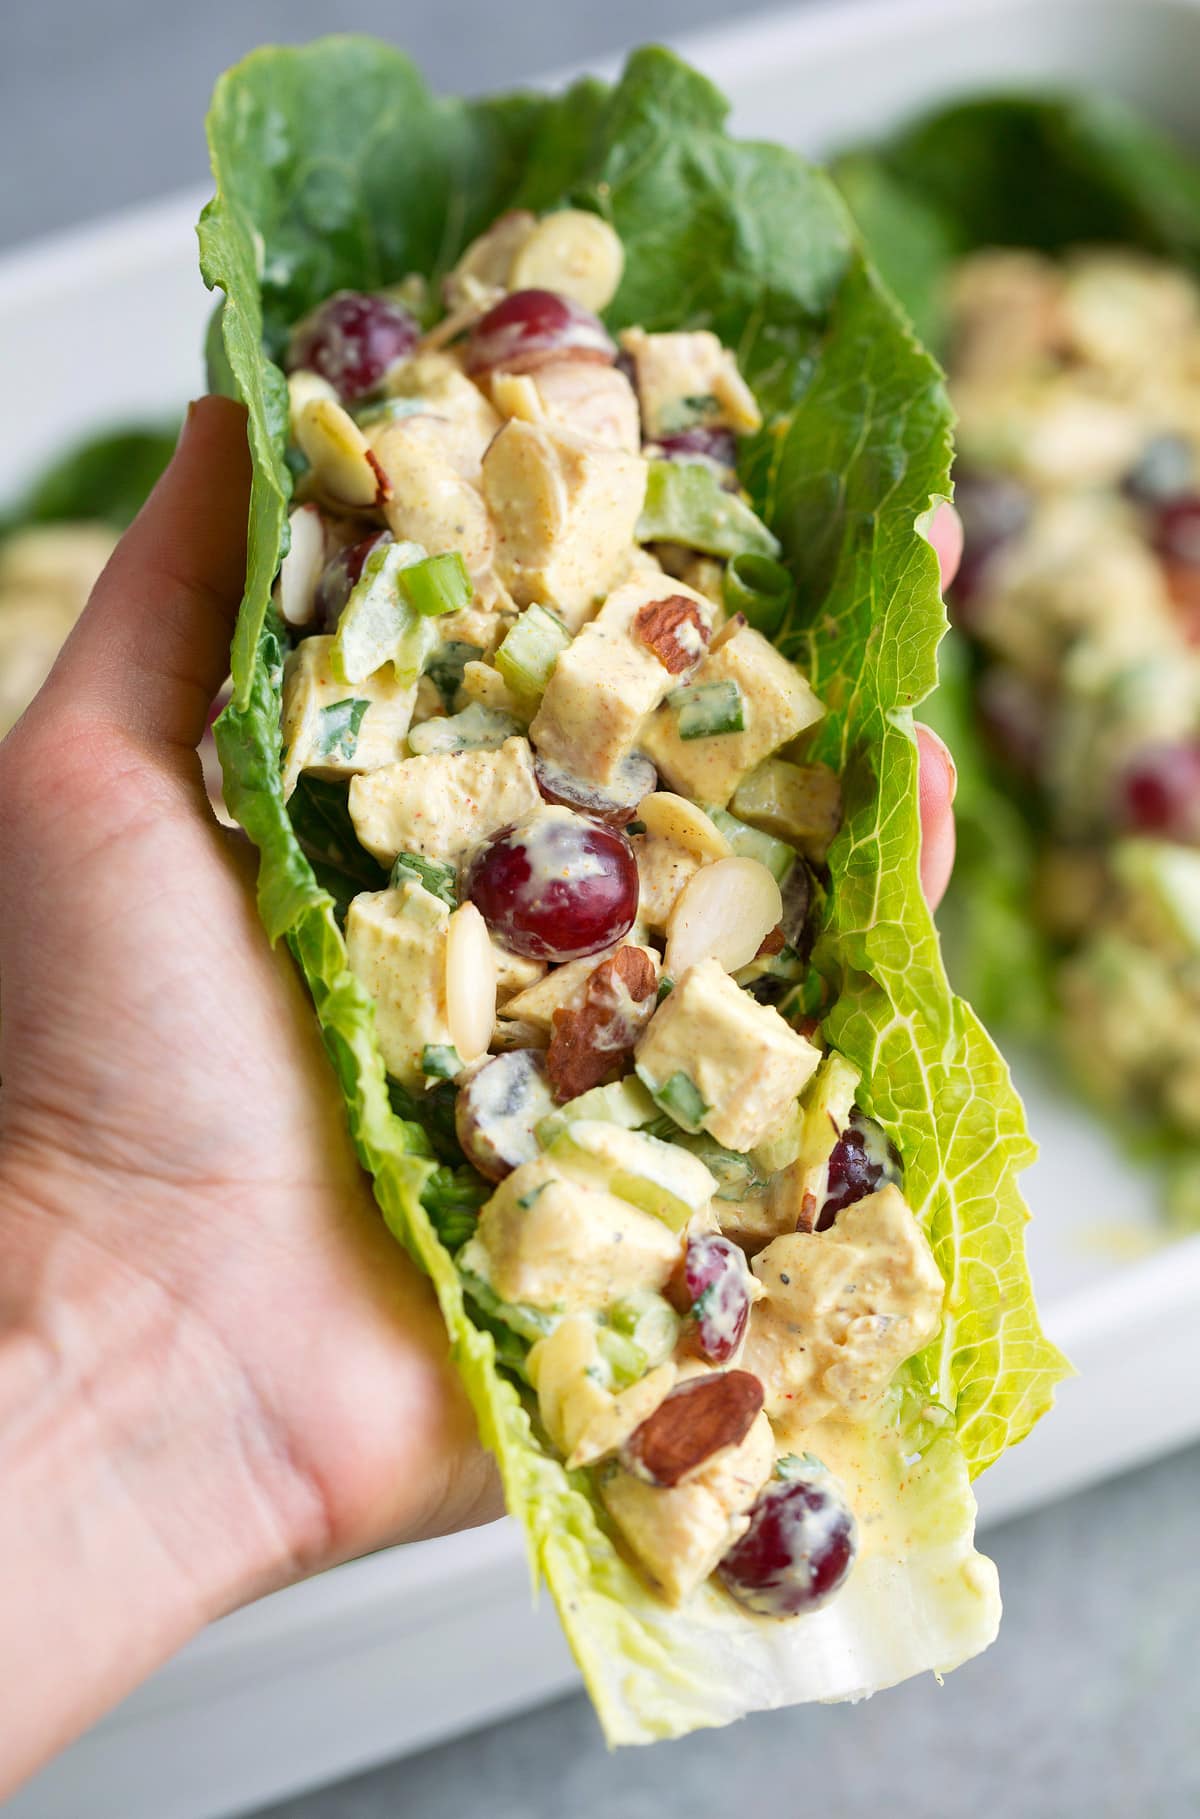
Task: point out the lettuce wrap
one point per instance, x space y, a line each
334 166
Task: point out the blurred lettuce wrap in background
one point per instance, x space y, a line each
1065 178
335 167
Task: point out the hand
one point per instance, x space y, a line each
217 1370
938 777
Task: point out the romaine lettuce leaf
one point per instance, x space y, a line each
334 166
106 478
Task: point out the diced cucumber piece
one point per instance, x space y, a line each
433 875
338 727
626 1103
529 650
735 1174
660 1178
378 624
784 1143
686 503
445 665
796 802
440 1061
758 588
703 709
679 1097
642 1332
438 585
751 843
477 728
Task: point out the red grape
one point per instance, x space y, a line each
637 777
717 1280
1177 531
862 1160
557 887
714 443
351 340
798 1550
1159 792
528 328
339 576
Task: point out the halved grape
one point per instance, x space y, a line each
1177 530
528 328
558 887
1159 791
339 576
352 339
718 1292
496 1111
616 806
701 443
797 1551
863 1159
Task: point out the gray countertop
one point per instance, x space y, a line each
1086 1708
1088 1704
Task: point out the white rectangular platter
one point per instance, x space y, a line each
393 1652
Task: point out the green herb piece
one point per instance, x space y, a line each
635 827
434 875
439 1061
338 727
679 1097
445 665
439 584
751 843
759 588
529 650
686 503
704 709
665 988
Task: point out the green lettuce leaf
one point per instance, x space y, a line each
106 479
334 166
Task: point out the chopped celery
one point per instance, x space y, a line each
642 1332
704 709
686 503
438 585
626 1103
751 843
477 728
660 1178
680 1097
439 1061
759 588
434 875
527 654
378 625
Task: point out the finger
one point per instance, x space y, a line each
945 533
938 782
152 647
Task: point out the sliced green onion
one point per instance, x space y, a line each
680 1097
338 727
705 709
751 843
527 654
758 587
438 585
476 729
686 503
439 1061
433 875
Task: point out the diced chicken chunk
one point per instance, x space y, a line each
842 1311
335 729
431 503
686 379
396 946
586 1420
443 804
607 681
553 1243
777 705
679 1535
591 398
564 511
745 1062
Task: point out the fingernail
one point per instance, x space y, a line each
947 756
186 425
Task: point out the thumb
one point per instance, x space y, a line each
152 647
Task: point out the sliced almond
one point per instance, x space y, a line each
488 260
344 468
700 1418
516 395
301 567
724 912
670 817
304 388
574 253
470 983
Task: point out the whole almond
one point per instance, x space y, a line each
700 1418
